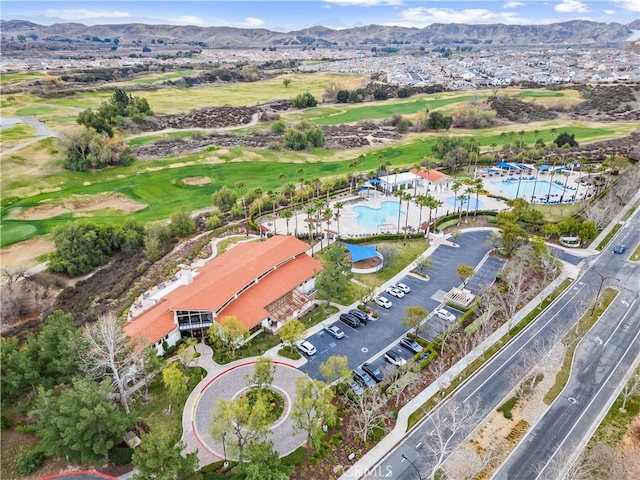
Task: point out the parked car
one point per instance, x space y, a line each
334 331
357 388
360 315
374 371
363 377
395 292
394 358
619 249
402 287
445 315
306 347
383 302
350 320
410 344
423 356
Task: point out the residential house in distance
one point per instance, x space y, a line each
263 284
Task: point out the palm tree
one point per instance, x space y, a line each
327 213
300 173
462 198
420 201
310 220
477 187
399 194
494 147
536 134
407 197
468 192
338 206
556 158
241 186
283 179
537 165
455 187
258 192
432 203
521 133
519 182
287 214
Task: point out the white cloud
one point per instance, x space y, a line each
189 20
610 12
568 6
513 5
81 14
252 22
364 3
422 16
631 5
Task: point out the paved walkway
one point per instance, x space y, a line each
228 381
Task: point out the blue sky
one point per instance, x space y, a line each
285 15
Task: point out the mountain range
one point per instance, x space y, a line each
566 33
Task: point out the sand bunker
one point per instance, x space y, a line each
196 180
118 202
24 253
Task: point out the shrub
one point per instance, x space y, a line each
304 100
213 222
295 458
5 423
121 455
294 139
278 126
290 354
30 460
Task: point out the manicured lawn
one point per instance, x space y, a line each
136 142
21 131
153 411
14 232
11 78
404 255
35 110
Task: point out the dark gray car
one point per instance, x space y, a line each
360 315
363 377
350 320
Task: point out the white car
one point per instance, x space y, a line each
395 292
445 315
402 287
394 358
306 347
334 331
383 302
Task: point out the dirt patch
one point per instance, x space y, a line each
86 184
118 202
24 252
196 180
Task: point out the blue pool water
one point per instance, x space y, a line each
526 188
372 217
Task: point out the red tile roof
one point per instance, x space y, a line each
249 307
432 175
153 324
223 277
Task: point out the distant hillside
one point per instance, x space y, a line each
573 32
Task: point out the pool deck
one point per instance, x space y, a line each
350 228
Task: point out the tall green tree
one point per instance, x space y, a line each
335 274
159 457
230 333
335 368
414 318
291 332
263 373
248 423
176 382
263 463
80 247
224 199
157 241
312 408
182 225
79 422
465 272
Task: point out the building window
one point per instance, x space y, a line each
191 320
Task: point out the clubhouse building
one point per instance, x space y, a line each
263 284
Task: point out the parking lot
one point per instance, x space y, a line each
368 343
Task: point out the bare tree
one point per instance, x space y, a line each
109 352
399 379
437 369
14 273
562 467
484 460
368 412
518 286
630 389
447 427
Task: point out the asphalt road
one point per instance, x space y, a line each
600 363
495 380
368 343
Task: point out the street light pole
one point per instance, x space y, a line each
599 289
413 465
224 450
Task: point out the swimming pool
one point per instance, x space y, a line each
373 217
527 186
